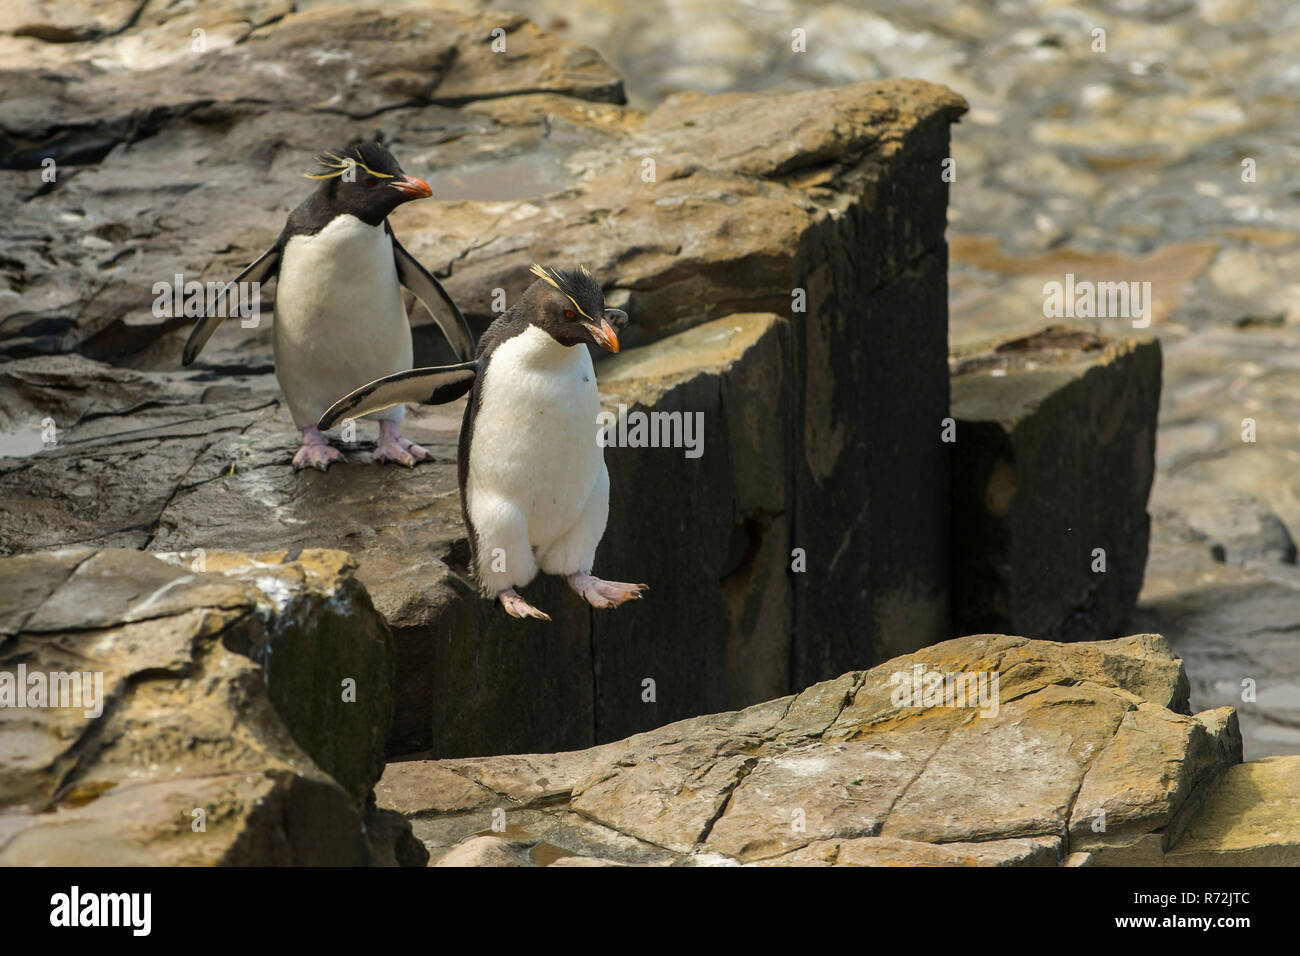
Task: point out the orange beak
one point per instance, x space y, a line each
415 188
603 334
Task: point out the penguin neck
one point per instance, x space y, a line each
537 349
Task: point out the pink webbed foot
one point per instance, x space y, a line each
316 451
393 447
604 594
516 606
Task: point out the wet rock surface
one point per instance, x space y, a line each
850 773
196 711
229 129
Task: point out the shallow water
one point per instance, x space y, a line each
535 171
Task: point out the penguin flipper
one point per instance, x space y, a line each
427 386
262 269
428 289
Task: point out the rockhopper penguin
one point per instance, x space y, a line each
339 317
534 490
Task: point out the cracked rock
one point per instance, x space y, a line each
210 721
853 772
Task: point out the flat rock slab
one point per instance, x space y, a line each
904 764
173 709
1249 819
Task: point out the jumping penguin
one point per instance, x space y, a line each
339 317
534 489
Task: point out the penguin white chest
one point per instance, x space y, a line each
339 317
534 450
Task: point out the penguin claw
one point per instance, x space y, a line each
604 594
392 451
420 453
516 606
319 455
393 447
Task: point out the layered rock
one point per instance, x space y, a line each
1053 458
821 493
1079 752
216 708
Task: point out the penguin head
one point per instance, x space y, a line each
366 181
570 307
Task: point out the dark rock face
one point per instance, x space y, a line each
1053 462
802 221
211 721
712 532
871 473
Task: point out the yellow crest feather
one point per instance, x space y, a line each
541 273
340 165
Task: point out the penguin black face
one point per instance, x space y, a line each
367 182
570 307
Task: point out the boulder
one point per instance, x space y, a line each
216 708
1053 462
482 851
896 765
1158 767
890 851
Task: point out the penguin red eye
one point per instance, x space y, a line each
370 181
569 314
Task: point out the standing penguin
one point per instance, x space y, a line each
534 490
339 317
